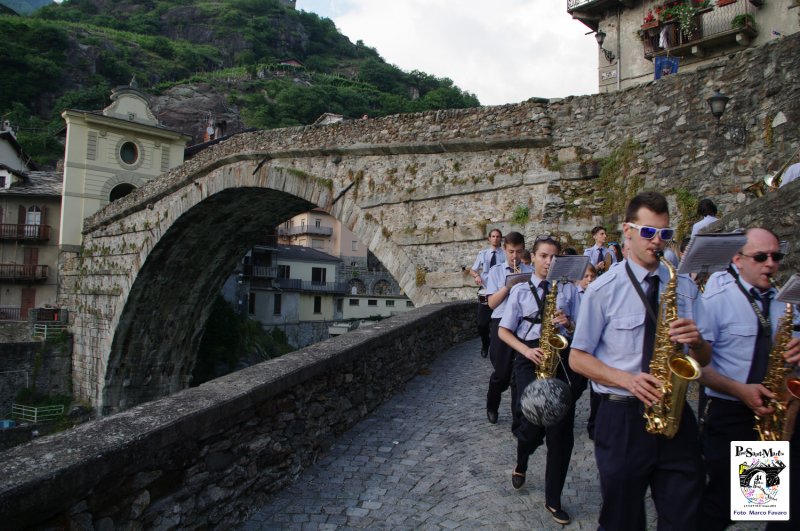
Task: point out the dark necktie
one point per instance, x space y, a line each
545 285
599 255
758 368
649 323
493 261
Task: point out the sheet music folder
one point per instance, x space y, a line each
708 253
790 292
567 268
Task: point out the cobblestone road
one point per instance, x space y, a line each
429 459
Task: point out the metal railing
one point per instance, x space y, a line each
261 271
573 4
36 414
10 313
305 229
711 23
45 331
23 272
13 231
295 284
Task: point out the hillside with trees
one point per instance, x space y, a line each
234 60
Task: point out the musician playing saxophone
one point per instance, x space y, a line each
610 348
520 328
740 316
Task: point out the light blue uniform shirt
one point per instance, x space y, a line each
569 302
497 279
610 323
521 303
593 253
483 260
729 323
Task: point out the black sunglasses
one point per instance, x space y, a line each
762 257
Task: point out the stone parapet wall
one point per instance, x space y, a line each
206 456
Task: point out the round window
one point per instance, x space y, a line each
129 153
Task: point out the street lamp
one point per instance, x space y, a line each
600 36
717 103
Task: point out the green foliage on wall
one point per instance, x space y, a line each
229 337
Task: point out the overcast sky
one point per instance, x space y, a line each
503 51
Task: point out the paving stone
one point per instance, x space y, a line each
429 459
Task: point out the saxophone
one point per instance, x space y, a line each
670 365
778 426
550 341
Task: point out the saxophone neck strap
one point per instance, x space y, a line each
763 320
639 291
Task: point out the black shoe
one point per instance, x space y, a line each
517 479
484 352
559 515
492 416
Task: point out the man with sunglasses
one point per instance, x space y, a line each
739 319
612 346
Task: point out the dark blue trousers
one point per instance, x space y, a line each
502 358
560 437
629 460
483 318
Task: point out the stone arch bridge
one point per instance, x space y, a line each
420 190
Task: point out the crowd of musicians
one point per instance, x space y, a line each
726 325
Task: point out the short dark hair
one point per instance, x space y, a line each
546 240
498 231
684 242
598 229
706 207
514 238
653 201
570 251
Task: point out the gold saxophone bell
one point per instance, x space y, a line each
758 188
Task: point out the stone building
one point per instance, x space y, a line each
639 37
110 153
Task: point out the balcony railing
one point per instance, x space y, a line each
296 284
11 231
10 313
258 271
23 272
713 27
305 229
594 5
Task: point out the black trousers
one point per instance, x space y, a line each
483 319
726 421
559 438
629 460
502 358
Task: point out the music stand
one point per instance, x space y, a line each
567 268
708 253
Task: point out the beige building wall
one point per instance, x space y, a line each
122 146
775 18
12 252
365 306
340 243
306 307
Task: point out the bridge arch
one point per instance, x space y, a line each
142 287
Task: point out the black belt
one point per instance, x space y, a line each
617 398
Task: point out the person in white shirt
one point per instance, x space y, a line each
708 210
487 258
791 173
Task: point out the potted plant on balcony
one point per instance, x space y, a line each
650 20
685 14
744 20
